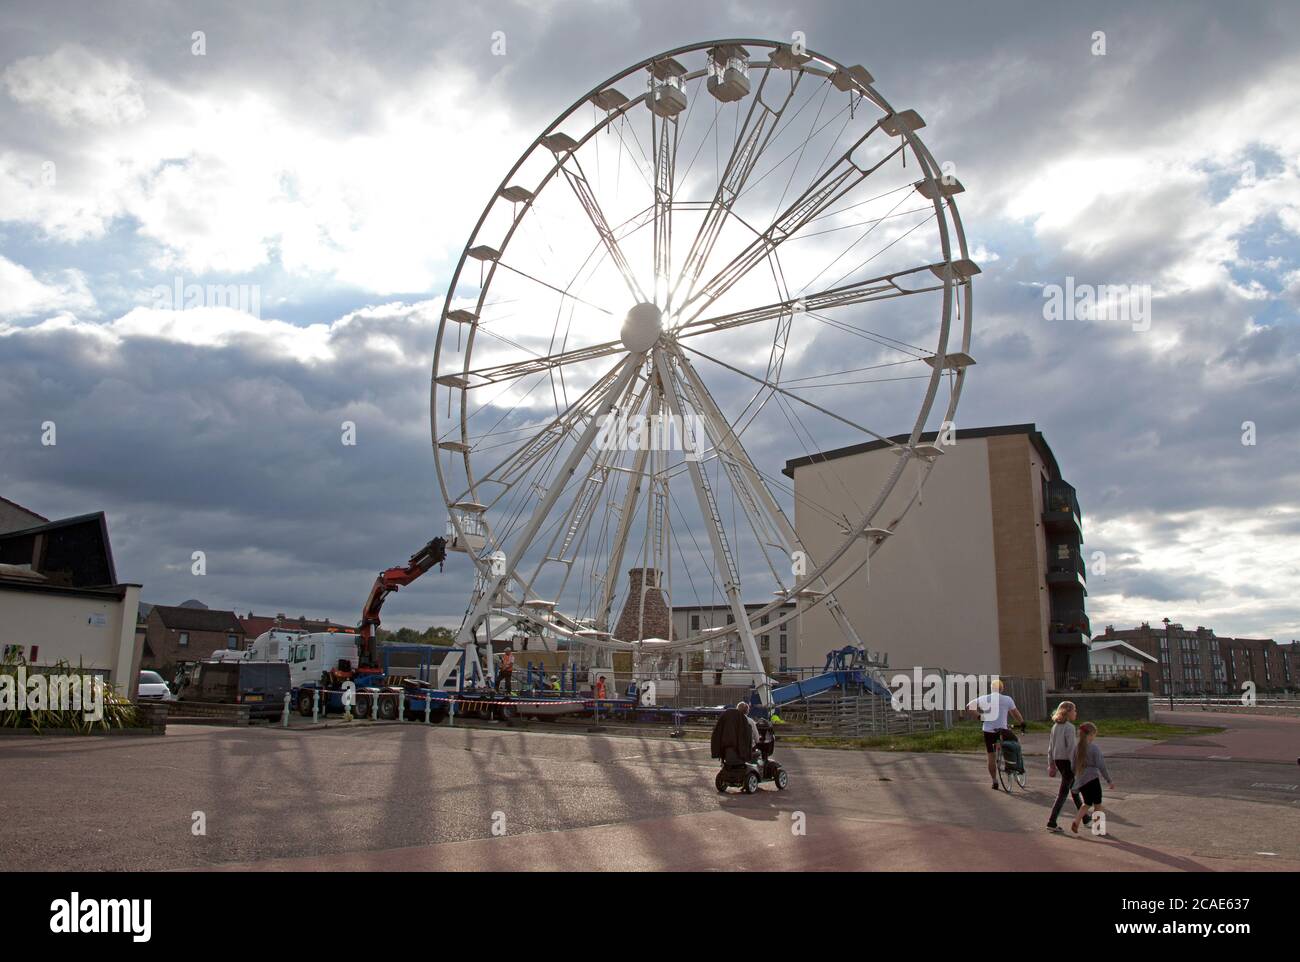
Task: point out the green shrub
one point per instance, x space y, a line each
118 711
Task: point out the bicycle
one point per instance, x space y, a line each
1007 775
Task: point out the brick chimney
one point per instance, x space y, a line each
655 621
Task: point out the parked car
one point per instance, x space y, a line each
261 685
153 688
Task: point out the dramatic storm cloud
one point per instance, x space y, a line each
321 170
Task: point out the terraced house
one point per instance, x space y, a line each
1199 662
177 636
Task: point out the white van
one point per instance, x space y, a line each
309 654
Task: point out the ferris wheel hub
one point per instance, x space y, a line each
641 329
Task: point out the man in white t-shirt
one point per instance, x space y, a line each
995 708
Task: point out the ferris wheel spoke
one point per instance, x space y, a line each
878 288
573 523
713 524
663 140
827 190
764 517
746 150
777 389
545 437
726 440
626 513
496 373
608 401
587 199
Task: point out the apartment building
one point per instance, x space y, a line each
779 647
985 574
1197 661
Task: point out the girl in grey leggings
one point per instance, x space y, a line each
1060 758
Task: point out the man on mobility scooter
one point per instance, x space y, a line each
744 747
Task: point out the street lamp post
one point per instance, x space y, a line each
1169 660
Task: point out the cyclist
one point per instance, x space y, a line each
995 708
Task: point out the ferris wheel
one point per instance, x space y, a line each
727 256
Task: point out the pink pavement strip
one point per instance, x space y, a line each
763 840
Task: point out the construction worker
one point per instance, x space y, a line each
507 669
600 688
555 683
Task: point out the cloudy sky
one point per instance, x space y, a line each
333 158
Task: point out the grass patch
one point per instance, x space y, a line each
967 736
1135 728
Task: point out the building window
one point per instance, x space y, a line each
783 650
765 644
763 620
695 622
183 639
784 667
232 642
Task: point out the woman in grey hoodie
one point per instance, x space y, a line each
1060 758
1089 767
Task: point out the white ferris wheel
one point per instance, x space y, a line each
726 256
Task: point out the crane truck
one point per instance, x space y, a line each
388 581
369 678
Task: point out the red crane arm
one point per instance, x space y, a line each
388 581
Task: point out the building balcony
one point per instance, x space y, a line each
1061 511
1071 619
1067 571
1065 638
1069 629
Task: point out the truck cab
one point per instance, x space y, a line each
309 654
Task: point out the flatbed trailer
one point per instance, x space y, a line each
388 695
383 694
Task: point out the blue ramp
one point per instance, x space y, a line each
817 684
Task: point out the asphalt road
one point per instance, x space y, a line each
415 797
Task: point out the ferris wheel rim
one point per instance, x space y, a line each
953 290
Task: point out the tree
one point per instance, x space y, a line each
432 635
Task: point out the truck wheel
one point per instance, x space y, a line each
388 709
304 704
362 708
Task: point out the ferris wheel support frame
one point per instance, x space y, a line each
717 536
